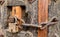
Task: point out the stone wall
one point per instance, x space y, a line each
54 10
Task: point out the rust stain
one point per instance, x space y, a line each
42 16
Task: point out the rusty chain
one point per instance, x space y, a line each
43 25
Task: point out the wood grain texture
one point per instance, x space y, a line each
42 16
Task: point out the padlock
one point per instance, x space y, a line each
13 28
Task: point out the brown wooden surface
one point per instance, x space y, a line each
42 16
17 11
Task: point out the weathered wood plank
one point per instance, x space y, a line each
42 16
